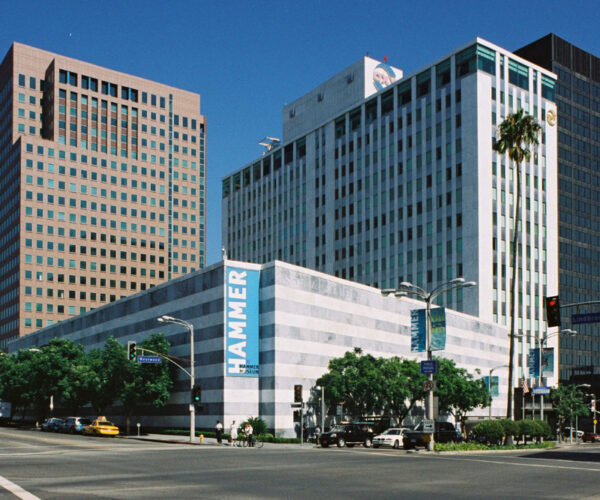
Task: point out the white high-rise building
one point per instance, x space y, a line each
382 178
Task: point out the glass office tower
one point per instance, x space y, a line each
578 106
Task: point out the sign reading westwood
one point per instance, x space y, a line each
418 329
241 322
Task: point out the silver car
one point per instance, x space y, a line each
390 437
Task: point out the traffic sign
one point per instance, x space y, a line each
543 391
429 385
149 359
296 405
429 367
428 425
578 319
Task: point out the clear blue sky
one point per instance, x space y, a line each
248 58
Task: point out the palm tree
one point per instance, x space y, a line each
516 133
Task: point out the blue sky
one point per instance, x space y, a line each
248 58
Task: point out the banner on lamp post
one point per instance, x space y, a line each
418 335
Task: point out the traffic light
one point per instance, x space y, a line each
196 395
593 406
131 350
297 393
553 311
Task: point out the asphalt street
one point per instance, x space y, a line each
57 466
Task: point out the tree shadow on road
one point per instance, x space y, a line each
575 456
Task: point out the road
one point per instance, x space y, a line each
57 466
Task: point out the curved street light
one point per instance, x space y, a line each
170 319
541 342
406 288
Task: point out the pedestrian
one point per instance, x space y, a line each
305 431
219 431
317 434
233 433
248 432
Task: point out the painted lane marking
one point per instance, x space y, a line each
16 490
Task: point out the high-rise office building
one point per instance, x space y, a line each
578 108
382 178
103 187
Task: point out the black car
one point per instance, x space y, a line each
348 435
444 433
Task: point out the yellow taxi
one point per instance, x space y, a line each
101 427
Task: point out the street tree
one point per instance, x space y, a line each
111 365
402 386
458 391
51 373
147 383
353 380
516 133
568 402
16 386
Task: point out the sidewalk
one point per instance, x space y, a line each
179 439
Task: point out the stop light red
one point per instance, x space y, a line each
297 393
553 311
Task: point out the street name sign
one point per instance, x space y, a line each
429 367
149 359
541 391
428 425
578 319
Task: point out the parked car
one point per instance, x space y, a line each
101 427
567 431
390 437
74 425
348 435
52 424
591 437
444 433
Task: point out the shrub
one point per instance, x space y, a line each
542 430
526 428
510 427
259 426
489 432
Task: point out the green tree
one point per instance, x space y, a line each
15 379
516 133
355 381
402 386
458 391
51 375
148 383
111 365
568 402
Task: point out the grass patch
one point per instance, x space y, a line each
479 446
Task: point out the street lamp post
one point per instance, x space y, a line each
322 407
490 386
190 327
577 419
541 343
407 288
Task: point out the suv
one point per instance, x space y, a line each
75 424
348 435
444 433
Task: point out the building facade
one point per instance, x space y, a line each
103 186
578 109
295 321
397 181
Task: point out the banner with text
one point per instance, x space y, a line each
492 386
241 322
418 329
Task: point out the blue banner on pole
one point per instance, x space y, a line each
533 360
493 386
241 322
438 328
418 336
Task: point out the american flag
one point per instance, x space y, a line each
525 386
